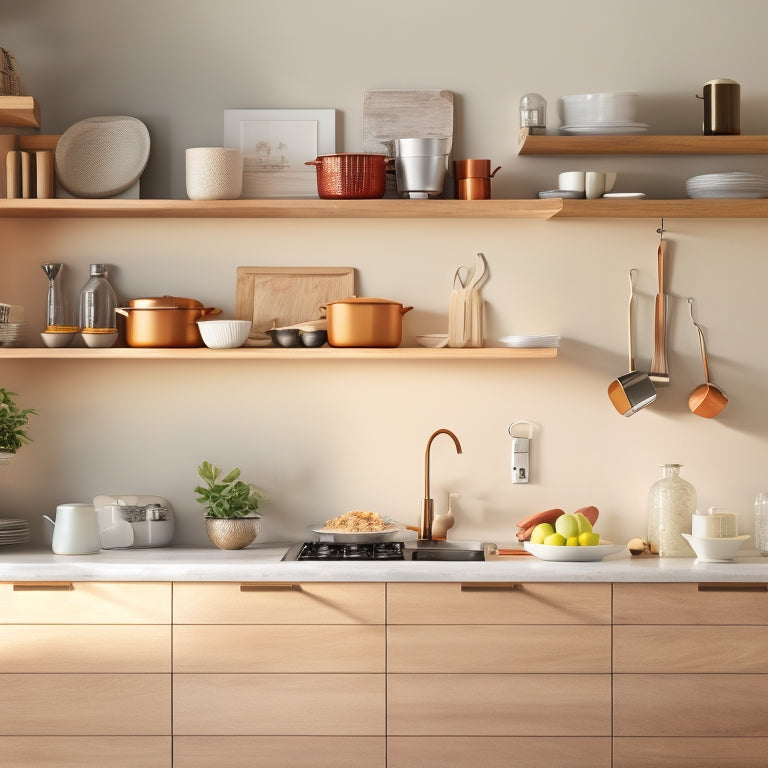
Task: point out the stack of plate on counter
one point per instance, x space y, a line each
530 342
13 531
735 184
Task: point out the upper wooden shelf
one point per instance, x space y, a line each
273 353
641 144
554 208
19 112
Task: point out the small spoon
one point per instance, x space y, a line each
706 400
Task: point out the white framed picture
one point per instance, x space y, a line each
276 144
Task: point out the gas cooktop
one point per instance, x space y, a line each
324 550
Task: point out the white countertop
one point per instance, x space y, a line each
263 563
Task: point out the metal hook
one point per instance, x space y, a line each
661 229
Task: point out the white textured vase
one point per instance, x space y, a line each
214 173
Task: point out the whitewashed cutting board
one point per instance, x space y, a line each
405 115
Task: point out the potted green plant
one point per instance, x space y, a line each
13 425
231 507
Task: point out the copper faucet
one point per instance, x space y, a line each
427 507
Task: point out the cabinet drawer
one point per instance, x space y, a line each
499 705
690 705
273 751
83 751
498 752
61 705
85 602
85 648
734 649
278 705
499 603
270 648
498 648
700 752
270 603
690 604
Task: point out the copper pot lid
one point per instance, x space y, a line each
165 302
364 300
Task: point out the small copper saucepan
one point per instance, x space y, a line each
706 400
164 321
365 322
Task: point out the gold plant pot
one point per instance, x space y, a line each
232 532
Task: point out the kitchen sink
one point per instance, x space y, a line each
447 550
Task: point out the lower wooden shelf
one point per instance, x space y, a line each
272 353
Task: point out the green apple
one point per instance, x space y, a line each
540 532
555 540
589 539
584 525
567 525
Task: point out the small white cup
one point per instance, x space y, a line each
597 183
572 181
214 173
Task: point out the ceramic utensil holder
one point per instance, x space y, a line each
214 173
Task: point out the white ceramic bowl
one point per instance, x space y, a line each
99 340
224 334
432 340
599 108
715 550
57 339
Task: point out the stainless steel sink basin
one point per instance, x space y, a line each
447 550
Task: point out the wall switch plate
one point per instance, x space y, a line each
520 459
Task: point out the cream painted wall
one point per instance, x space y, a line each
326 437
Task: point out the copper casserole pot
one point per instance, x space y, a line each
350 176
365 322
164 321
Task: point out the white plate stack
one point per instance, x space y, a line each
600 113
734 184
11 324
13 531
530 342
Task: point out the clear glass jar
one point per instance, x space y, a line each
671 505
98 301
761 523
533 113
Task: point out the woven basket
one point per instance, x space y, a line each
9 74
232 533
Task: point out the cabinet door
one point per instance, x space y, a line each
83 751
270 603
64 704
528 603
278 705
267 648
683 752
85 602
274 751
499 705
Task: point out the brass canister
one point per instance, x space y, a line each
722 106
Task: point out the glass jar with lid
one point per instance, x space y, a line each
671 505
98 302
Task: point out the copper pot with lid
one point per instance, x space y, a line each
164 321
365 322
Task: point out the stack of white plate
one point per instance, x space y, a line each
735 184
585 129
10 333
13 531
530 342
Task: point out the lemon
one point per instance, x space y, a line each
589 539
572 541
555 540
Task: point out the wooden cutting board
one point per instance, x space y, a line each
282 296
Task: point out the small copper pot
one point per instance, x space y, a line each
164 321
362 322
472 179
350 176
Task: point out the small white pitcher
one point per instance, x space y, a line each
76 530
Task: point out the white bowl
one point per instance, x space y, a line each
58 339
224 334
715 550
432 340
599 108
99 340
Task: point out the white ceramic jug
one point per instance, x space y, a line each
76 530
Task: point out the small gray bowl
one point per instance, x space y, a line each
314 338
285 337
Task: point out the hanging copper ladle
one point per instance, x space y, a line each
706 400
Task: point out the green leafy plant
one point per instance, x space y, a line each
13 422
228 496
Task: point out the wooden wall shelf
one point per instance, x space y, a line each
641 144
19 112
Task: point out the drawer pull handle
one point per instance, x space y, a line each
41 586
276 587
733 587
491 587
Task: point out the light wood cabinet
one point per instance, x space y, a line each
279 674
483 674
690 675
85 674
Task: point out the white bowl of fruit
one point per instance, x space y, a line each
571 539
